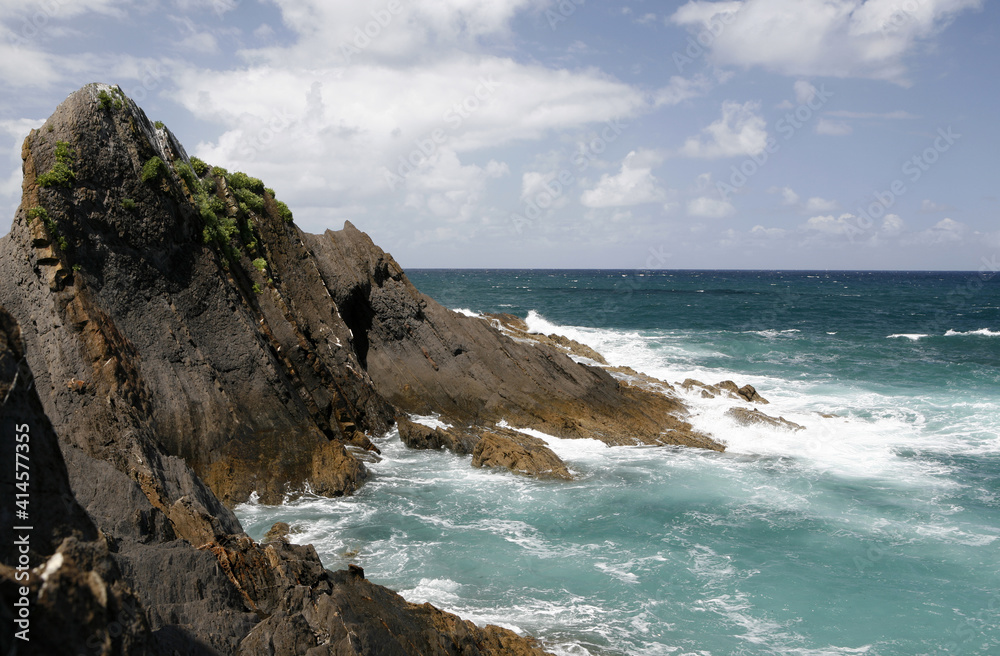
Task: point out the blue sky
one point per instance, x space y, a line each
819 134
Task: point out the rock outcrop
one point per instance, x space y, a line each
106 574
519 453
726 388
172 336
748 417
136 286
175 343
427 360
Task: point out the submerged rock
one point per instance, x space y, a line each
752 417
521 454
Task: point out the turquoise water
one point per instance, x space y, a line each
874 532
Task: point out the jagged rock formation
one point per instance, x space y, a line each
425 359
726 388
140 325
106 573
182 344
143 339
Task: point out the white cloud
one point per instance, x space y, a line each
446 188
634 184
928 206
845 224
710 208
897 115
833 128
24 67
761 232
839 38
681 89
943 232
388 119
201 42
740 131
817 204
804 91
892 225
788 195
420 30
40 13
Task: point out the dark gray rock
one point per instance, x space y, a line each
426 360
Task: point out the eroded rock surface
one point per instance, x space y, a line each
427 360
520 453
748 417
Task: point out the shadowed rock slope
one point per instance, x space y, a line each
135 284
107 573
426 359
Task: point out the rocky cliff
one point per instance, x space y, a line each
176 343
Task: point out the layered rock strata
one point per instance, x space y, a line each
176 343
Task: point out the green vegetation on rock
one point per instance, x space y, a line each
128 204
249 200
189 178
241 180
153 169
61 174
283 211
200 167
260 264
105 99
50 226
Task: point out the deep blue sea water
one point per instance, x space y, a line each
874 532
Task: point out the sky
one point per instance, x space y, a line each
732 134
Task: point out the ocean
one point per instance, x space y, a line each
873 531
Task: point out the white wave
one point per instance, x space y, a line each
770 333
865 440
982 332
570 450
430 421
911 336
617 572
469 313
440 592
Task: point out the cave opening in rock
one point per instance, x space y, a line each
358 314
